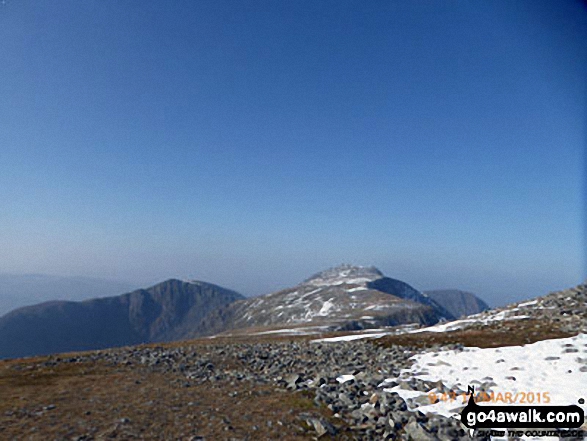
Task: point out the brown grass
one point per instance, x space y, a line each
102 401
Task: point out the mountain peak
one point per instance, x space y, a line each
344 274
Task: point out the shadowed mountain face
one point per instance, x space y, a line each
341 298
406 292
458 303
167 311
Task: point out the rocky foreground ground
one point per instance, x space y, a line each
232 391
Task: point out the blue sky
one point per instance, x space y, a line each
250 144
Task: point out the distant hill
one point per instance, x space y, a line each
341 298
555 315
17 290
458 303
166 311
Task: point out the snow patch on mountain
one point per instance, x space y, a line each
351 337
464 323
326 307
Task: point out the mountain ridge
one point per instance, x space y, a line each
162 312
344 297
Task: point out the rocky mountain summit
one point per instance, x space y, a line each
341 298
344 274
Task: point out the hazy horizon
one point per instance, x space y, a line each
77 294
253 144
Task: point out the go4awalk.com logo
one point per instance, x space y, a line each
475 416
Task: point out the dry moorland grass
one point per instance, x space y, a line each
73 400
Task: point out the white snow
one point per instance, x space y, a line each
311 292
326 307
459 324
280 331
350 337
450 326
516 369
358 288
533 302
305 330
340 281
377 307
345 378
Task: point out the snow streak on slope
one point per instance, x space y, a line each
351 337
474 320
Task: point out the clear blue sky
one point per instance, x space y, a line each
250 144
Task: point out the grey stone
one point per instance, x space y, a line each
322 427
416 432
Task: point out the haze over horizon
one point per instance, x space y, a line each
253 144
